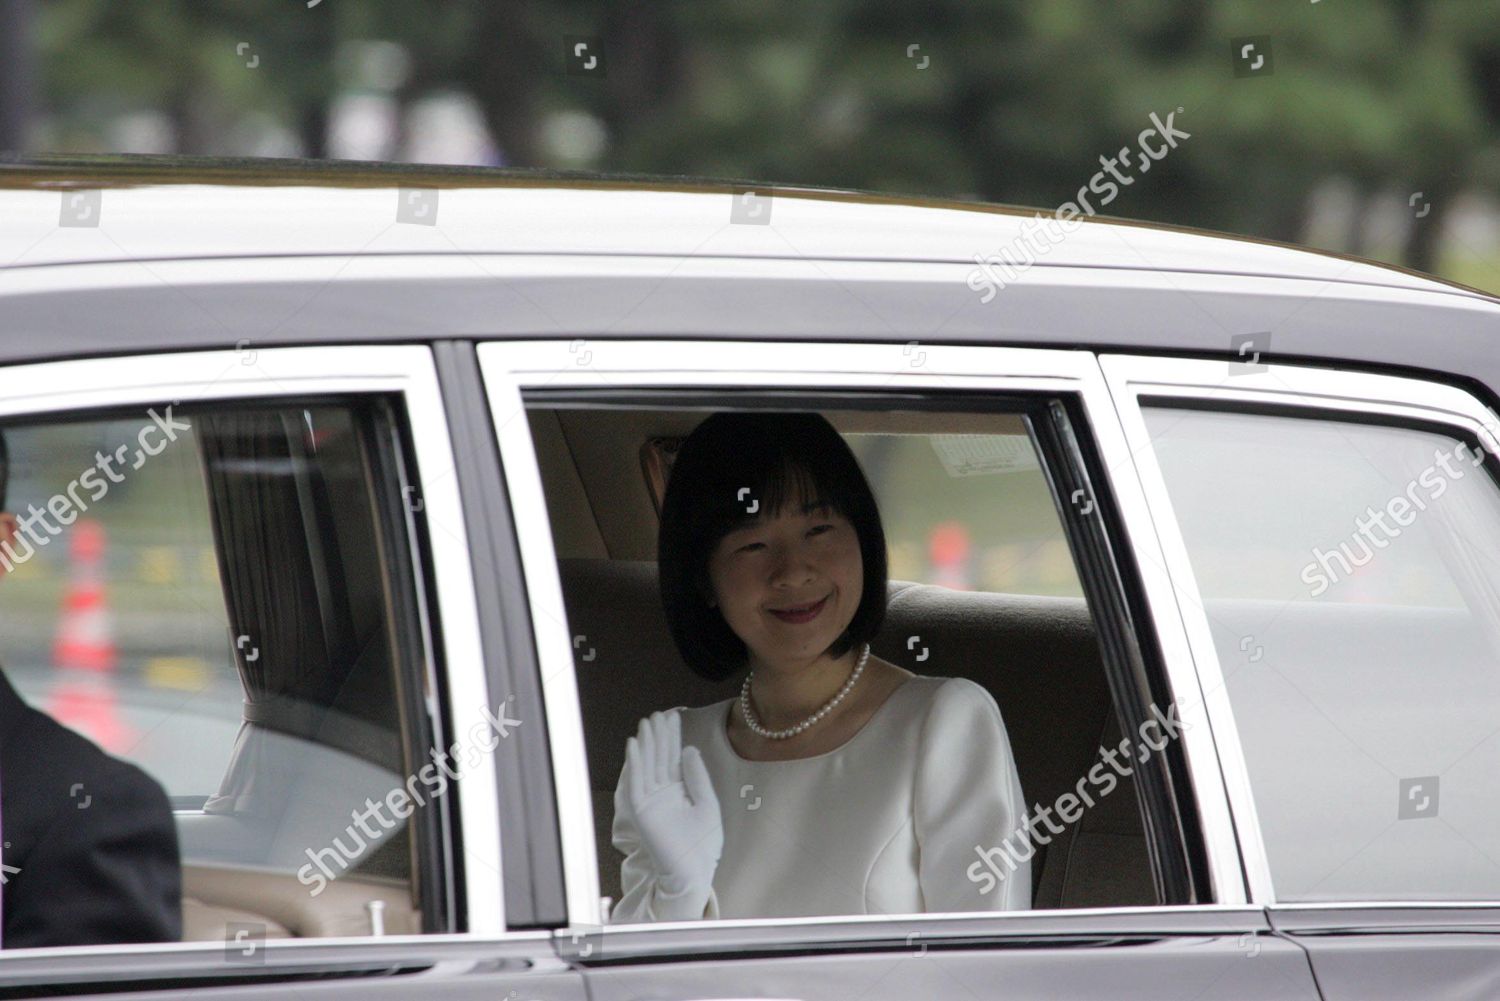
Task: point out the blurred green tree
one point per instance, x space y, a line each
1000 100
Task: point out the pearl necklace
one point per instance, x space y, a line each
792 731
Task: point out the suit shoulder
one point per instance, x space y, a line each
59 756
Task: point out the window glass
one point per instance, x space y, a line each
212 596
1351 577
116 623
983 602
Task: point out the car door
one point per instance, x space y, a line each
1202 938
1334 537
304 498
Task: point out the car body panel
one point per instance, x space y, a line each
1387 952
427 966
1166 953
146 222
76 310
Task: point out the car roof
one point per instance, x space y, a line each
169 207
285 252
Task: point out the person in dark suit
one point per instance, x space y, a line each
88 845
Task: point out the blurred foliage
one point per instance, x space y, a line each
1001 100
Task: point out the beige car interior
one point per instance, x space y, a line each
213 896
1037 655
221 884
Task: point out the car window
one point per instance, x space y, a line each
1350 576
224 599
983 597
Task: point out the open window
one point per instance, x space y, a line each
1002 571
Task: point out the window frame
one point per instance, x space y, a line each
451 665
641 366
1293 390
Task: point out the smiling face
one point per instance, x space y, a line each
789 586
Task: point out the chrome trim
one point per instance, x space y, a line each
158 960
1371 905
1118 453
286 944
305 371
1131 376
511 366
947 917
837 932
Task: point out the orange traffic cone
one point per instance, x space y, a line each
948 552
85 634
83 694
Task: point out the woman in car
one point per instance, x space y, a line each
836 782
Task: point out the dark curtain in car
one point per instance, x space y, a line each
258 469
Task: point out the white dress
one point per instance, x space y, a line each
890 822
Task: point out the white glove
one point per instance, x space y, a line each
676 812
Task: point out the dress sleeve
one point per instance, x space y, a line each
641 898
967 799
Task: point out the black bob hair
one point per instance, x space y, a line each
706 497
